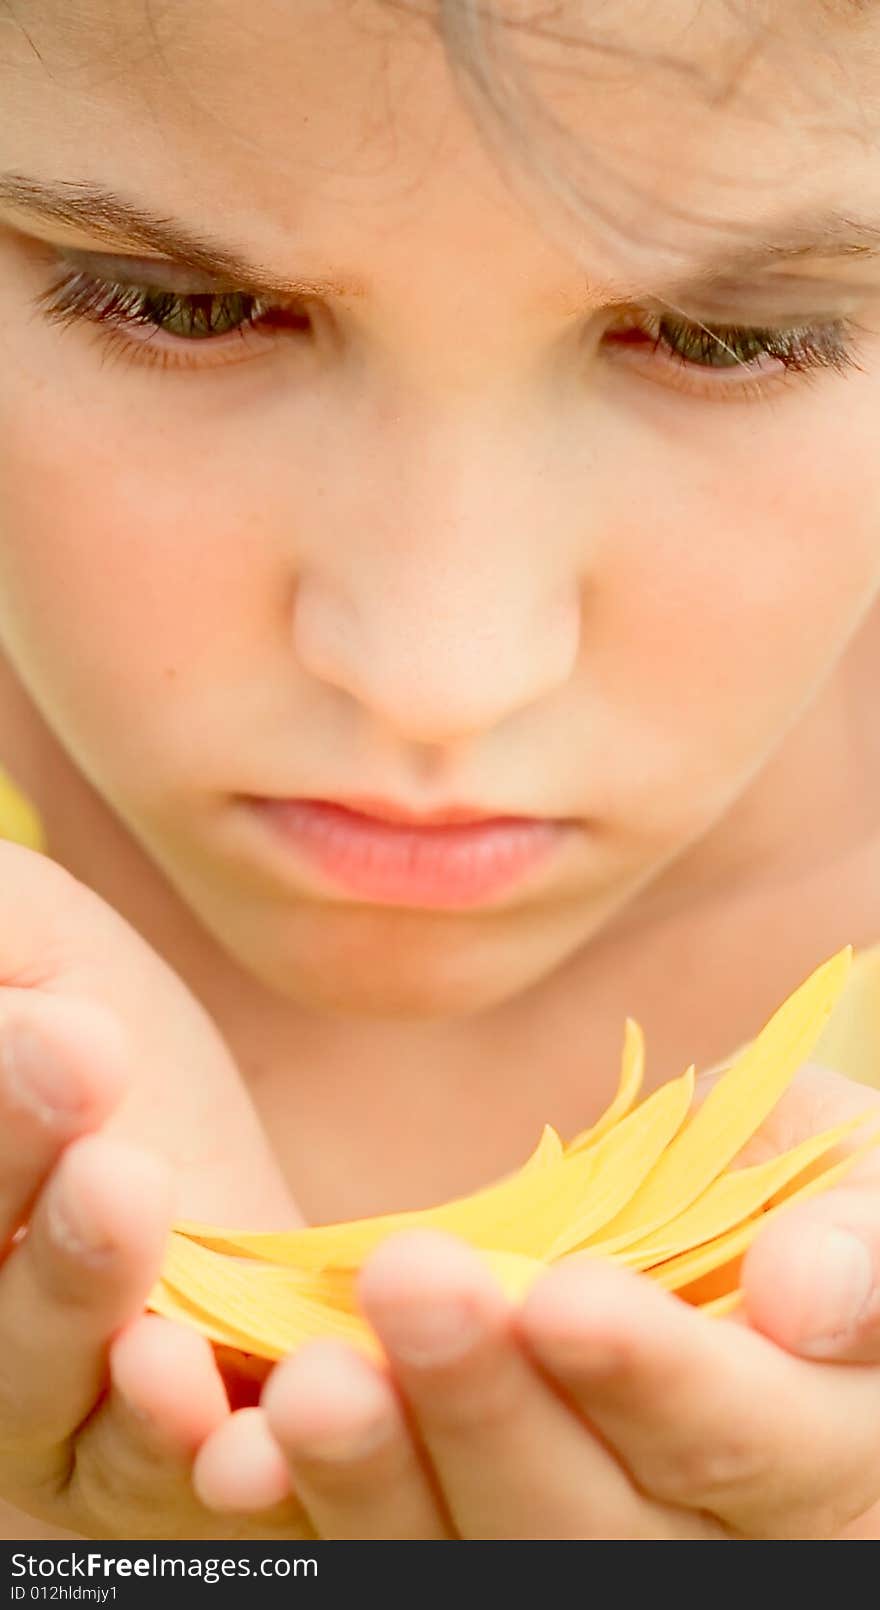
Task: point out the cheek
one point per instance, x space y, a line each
122 594
730 605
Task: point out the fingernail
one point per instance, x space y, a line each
36 1075
74 1227
841 1281
424 1335
327 1405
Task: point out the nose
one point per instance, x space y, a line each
446 607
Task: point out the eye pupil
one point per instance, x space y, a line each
200 317
717 348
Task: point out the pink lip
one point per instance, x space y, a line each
451 858
383 810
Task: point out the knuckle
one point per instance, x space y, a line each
707 1473
121 1485
356 1478
111 1471
471 1403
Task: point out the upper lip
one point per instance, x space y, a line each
384 810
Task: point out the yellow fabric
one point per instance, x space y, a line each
850 1041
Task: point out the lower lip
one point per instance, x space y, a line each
394 864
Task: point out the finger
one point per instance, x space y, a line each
707 1414
352 1460
59 1077
811 1279
818 1098
41 912
131 1470
135 1463
511 1458
92 1252
241 1467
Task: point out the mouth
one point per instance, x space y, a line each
451 857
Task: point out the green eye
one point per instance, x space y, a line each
195 317
731 346
718 347
198 318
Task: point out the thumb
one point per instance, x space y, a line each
62 1048
186 1100
811 1279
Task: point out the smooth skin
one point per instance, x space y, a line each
95 1034
600 1407
457 536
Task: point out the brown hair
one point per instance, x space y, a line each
567 38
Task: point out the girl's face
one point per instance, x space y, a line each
470 518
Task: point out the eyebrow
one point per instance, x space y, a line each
118 222
802 239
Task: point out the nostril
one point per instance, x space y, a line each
435 667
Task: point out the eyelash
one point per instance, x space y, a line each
800 351
125 313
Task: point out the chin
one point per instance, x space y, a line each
401 964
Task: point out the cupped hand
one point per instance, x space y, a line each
602 1406
102 1408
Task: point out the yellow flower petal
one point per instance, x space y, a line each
624 1156
734 1196
720 1306
632 1070
174 1305
20 821
734 1109
523 1214
693 1265
647 1185
270 1309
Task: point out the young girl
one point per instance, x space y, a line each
439 616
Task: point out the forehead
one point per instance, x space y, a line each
343 124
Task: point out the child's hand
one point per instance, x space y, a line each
184 1097
604 1407
86 1009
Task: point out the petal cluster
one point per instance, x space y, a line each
653 1185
